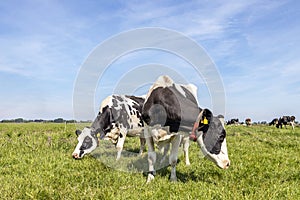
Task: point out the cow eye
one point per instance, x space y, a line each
87 143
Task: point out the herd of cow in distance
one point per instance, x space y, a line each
278 122
166 117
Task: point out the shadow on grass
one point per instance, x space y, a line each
132 162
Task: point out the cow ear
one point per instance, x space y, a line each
205 120
78 132
221 118
206 117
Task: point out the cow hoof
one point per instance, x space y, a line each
150 178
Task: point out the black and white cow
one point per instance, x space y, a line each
274 122
284 120
119 116
171 111
248 122
233 121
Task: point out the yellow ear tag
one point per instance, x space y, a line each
205 121
98 135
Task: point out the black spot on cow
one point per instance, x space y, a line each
86 144
103 121
214 136
123 116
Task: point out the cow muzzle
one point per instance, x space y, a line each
226 164
75 156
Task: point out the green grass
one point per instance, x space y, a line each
36 163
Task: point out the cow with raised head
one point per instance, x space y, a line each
284 120
119 116
170 112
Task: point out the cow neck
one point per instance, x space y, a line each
193 135
97 135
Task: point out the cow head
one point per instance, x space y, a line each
293 118
87 142
211 137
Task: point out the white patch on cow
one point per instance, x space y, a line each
135 120
113 135
106 102
222 121
162 81
193 89
179 89
190 87
293 124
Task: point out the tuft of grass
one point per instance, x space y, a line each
36 163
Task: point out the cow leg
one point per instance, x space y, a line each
186 145
293 125
142 145
165 150
173 156
151 155
120 143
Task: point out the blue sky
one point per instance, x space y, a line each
255 46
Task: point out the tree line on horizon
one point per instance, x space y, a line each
57 120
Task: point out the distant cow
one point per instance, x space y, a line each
233 121
284 120
170 112
248 122
118 117
274 122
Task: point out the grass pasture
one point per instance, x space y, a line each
36 163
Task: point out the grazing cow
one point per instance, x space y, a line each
274 122
118 117
170 112
248 122
233 121
284 120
